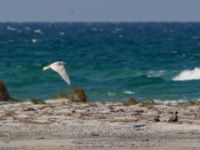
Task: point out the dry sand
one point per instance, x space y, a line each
62 125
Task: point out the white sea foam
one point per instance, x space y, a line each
38 31
153 74
27 28
101 30
129 92
34 40
172 102
118 29
10 28
94 29
61 33
49 25
111 93
188 75
195 37
121 35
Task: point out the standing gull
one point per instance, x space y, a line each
157 118
59 67
174 117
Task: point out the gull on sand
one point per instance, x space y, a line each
174 117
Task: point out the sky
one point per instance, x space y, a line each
99 10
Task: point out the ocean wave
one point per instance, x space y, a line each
38 31
27 28
9 28
169 101
94 29
61 33
188 75
111 93
175 101
128 92
34 40
153 74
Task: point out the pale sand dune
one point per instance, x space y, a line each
63 125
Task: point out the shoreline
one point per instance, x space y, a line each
61 124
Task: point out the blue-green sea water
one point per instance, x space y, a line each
109 60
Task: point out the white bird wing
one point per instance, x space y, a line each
62 72
46 67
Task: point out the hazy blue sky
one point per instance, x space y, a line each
99 10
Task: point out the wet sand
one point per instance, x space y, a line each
62 125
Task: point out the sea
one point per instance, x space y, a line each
110 61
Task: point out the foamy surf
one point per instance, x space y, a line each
154 74
38 31
188 75
129 92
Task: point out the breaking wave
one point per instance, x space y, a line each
188 75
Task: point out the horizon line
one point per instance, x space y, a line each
21 22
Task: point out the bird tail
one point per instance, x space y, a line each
46 67
68 81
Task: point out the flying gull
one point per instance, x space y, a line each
59 67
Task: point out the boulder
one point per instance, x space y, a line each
78 95
130 101
4 95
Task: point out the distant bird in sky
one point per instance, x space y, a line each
59 67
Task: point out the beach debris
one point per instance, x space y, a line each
37 101
59 67
29 109
130 101
120 110
157 118
7 114
174 117
64 94
94 134
139 125
74 94
139 112
40 138
78 95
4 95
147 103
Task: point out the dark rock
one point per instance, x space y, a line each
130 101
157 118
78 95
75 94
4 95
37 101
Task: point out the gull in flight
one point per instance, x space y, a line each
59 67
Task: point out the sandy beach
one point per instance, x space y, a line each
63 125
